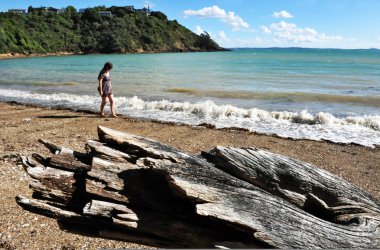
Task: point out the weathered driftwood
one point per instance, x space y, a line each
132 188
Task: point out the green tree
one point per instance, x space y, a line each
206 43
89 32
159 15
71 9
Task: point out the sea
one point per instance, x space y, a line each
314 94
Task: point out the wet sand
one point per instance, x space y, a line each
21 126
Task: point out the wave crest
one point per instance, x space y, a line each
210 110
363 130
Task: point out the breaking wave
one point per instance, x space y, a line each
210 110
363 130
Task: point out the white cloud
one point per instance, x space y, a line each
282 14
222 39
222 36
213 11
230 18
289 32
198 30
265 29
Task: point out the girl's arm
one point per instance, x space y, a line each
101 86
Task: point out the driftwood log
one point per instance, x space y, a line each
132 188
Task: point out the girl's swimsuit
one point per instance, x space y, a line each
106 85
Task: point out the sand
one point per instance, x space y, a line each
21 126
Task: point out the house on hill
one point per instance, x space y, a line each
144 11
105 13
54 10
17 11
47 9
130 8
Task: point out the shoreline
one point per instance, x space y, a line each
20 55
183 126
21 126
206 125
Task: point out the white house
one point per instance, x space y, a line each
17 11
105 13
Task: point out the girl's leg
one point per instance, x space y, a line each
112 104
102 105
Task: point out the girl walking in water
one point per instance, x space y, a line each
105 89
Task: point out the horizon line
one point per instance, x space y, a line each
293 47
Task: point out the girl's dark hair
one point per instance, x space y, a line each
108 65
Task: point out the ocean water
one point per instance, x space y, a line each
316 94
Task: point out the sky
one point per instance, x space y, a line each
259 23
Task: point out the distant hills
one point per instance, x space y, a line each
96 30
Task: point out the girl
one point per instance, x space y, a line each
105 89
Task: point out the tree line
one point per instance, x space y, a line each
90 32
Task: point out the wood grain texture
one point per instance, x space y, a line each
130 185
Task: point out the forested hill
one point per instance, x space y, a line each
43 31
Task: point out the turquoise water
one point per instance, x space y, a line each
300 93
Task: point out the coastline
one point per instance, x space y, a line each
141 51
22 126
19 55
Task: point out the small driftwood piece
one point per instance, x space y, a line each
132 188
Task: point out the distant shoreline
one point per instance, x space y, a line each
19 55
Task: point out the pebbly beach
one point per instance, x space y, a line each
244 125
23 125
333 126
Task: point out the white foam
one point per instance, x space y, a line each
363 130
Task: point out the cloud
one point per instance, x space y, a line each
198 30
289 32
265 29
230 18
213 12
282 14
222 36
